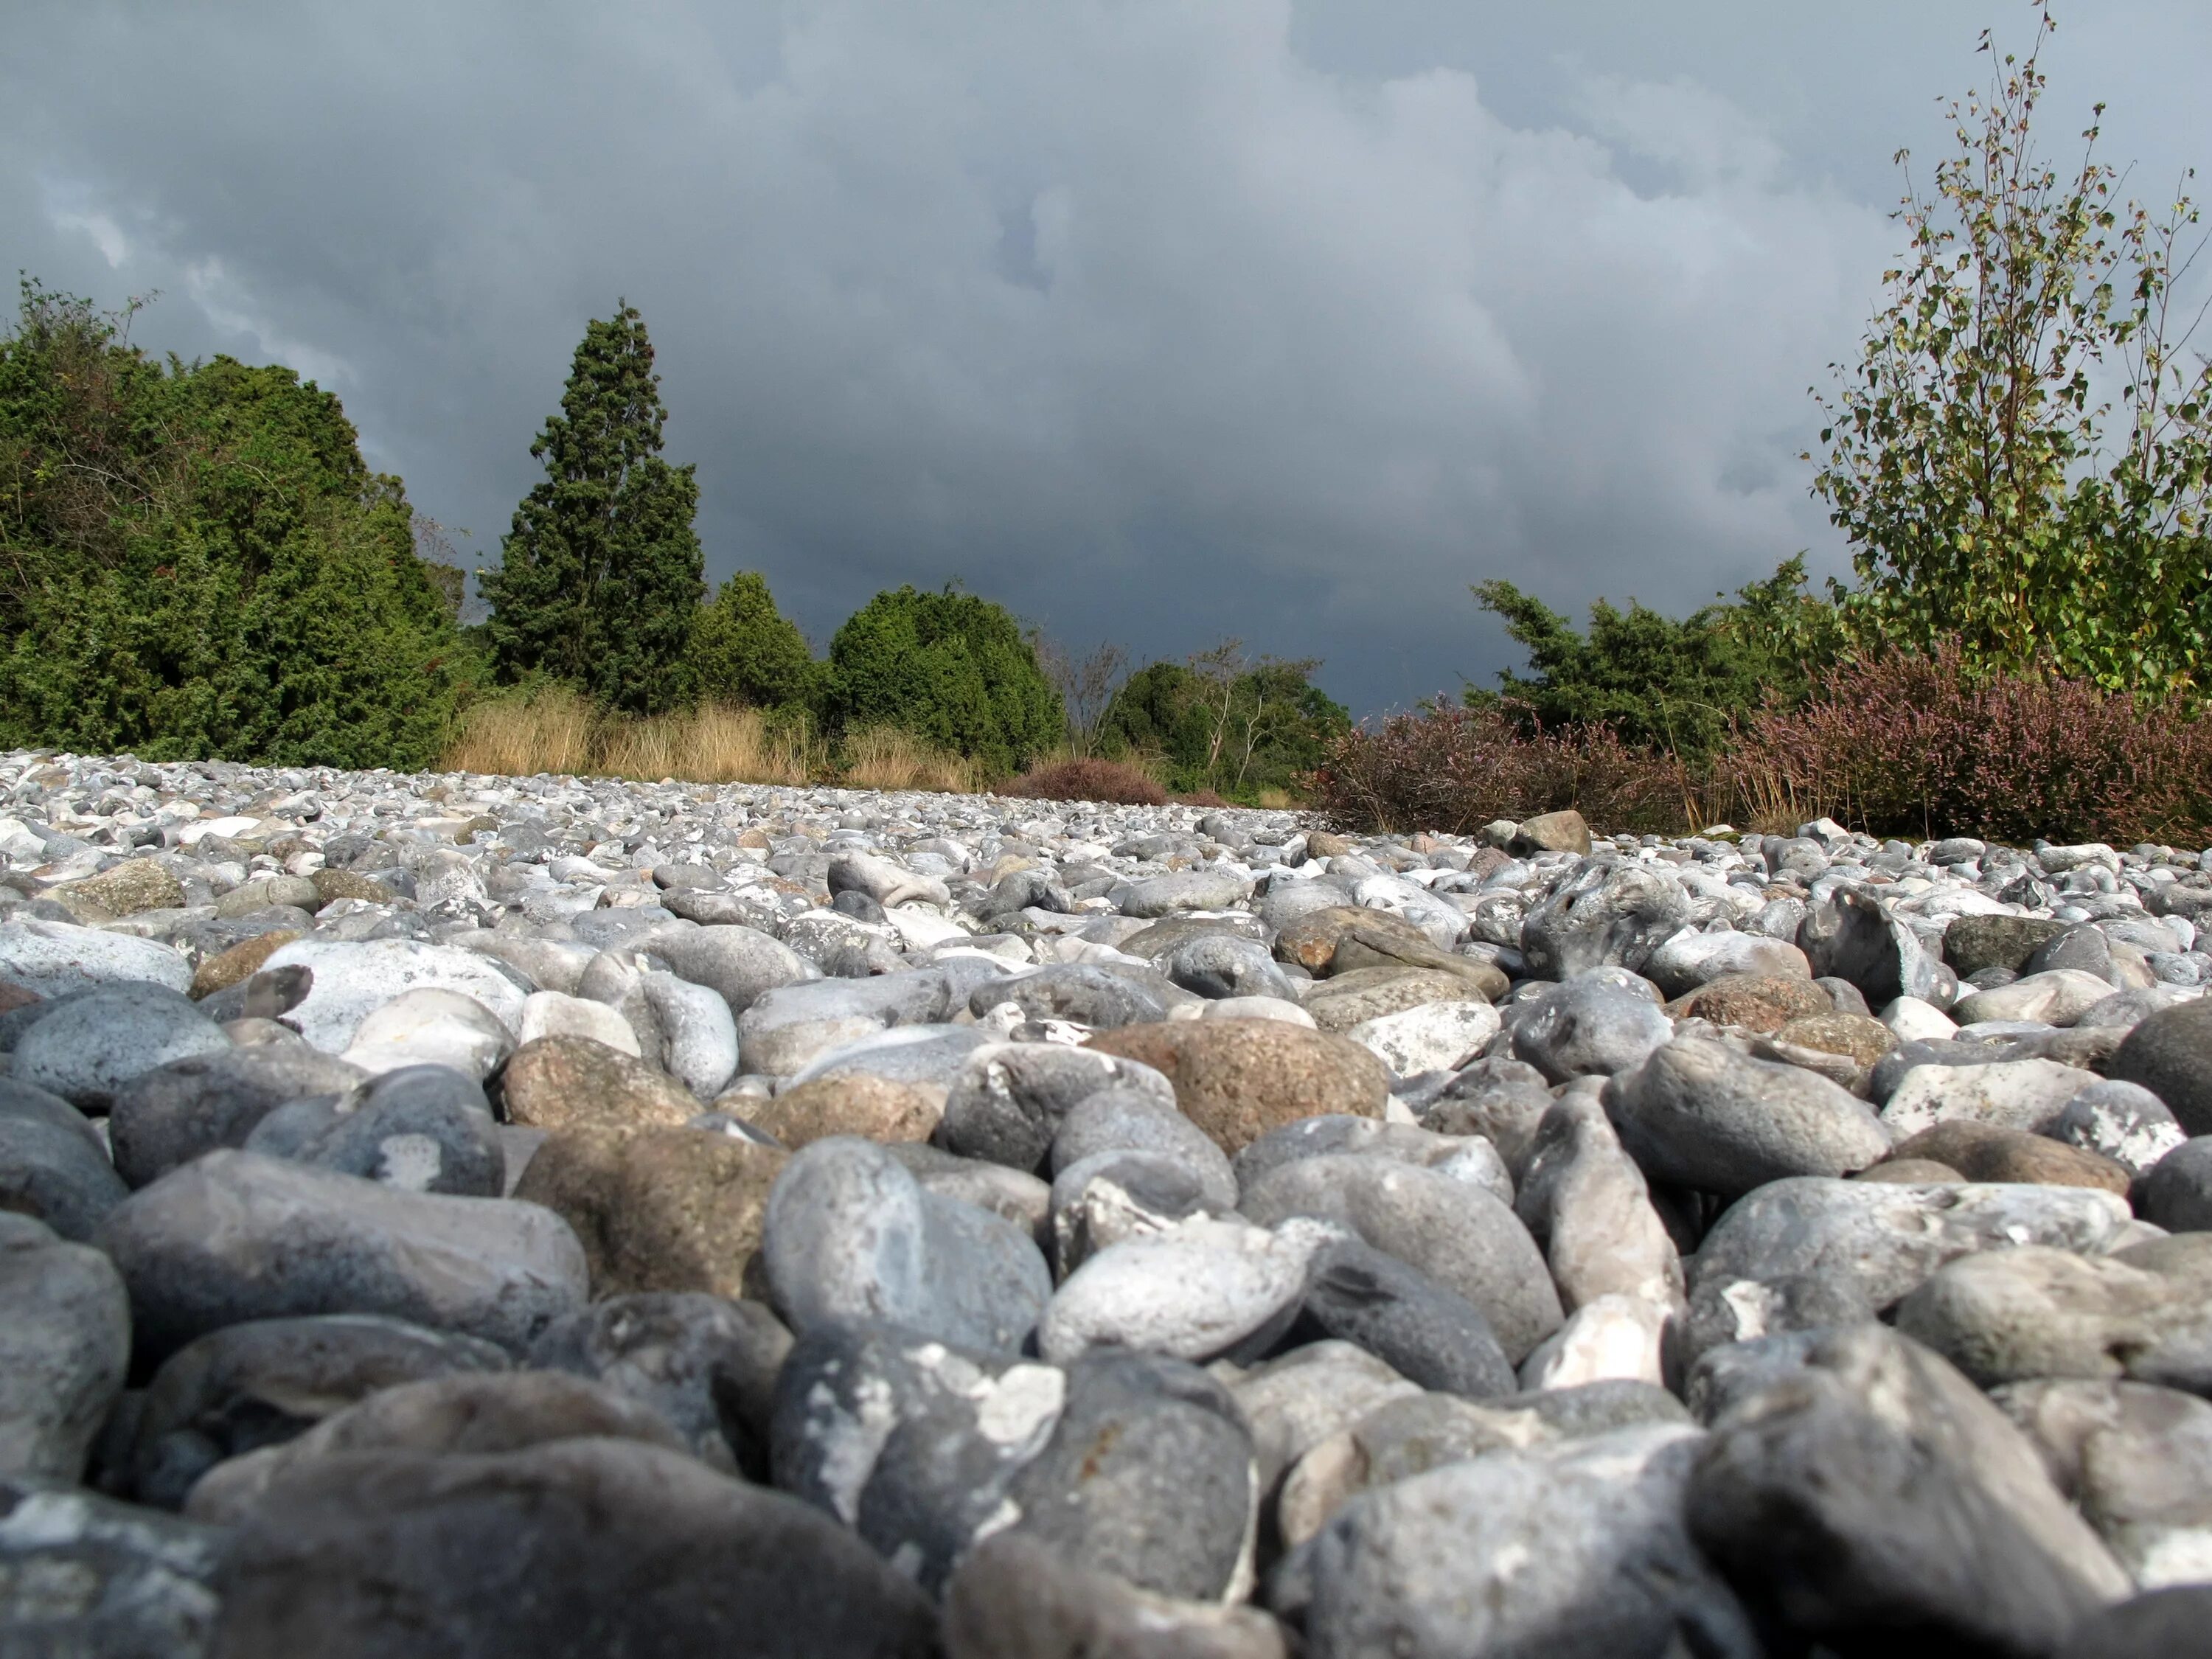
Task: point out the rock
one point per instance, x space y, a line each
850 1235
2152 1625
1452 1231
2018 1094
1110 1196
2176 1191
53 1167
1013 1598
1857 1038
1589 1028
739 964
658 1208
882 880
1008 1100
2135 1459
698 1037
1875 1490
170 1115
128 889
2010 1315
1756 1002
231 1237
1433 1337
63 1351
2080 947
1550 832
2122 1121
558 1082
422 1128
1361 994
1851 937
1275 1008
1689 960
1810 1251
1462 1157
242 1388
1974 943
552 1013
350 982
850 1103
355 1556
1084 993
2057 998
1910 1172
1223 966
1579 1548
89 1046
1610 914
1135 1120
430 1027
1584 1199
1184 891
238 963
1405 1435
785 1028
1300 1399
53 958
1439 1036
1238 1078
1986 1151
2170 1053
81 1575
1912 1020
1697 1114
1200 1288
1607 1338
1341 939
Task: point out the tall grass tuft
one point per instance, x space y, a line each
557 731
884 757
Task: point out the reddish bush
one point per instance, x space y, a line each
1452 770
1112 782
1910 745
1202 798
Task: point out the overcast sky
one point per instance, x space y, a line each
1158 321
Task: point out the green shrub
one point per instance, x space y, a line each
951 668
1221 722
194 561
743 650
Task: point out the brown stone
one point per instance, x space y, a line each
12 996
1987 1151
128 889
1237 1079
1911 1172
1345 938
1551 832
559 1083
240 962
657 1209
1322 844
1757 1002
850 1103
1855 1035
1338 1003
332 886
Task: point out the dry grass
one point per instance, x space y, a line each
883 757
558 731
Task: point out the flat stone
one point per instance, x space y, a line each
1987 1151
2057 998
2019 1094
1238 1078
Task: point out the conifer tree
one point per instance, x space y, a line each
601 577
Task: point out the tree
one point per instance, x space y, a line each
949 667
1656 681
1220 720
194 561
744 650
1991 490
1086 685
599 580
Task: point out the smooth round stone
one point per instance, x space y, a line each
1439 1036
1454 1232
1184 891
848 1103
240 962
64 1348
53 1167
351 981
245 1387
1353 998
1113 1195
2176 1191
1914 1020
1275 1008
1238 1078
90 1046
1574 1547
1008 1100
431 1027
1585 1202
1690 959
1854 1037
1298 1399
2017 1094
2152 1625
707 1365
1589 1027
698 1035
1137 1120
53 958
1194 1291
2058 997
552 965
2128 1009
232 1237
1608 1339
2170 1053
1698 1114
170 1115
1984 1152
420 1128
1849 936
550 1013
1762 1003
349 1557
1462 1157
557 1083
1225 965
785 1028
851 1235
1431 1336
2009 1315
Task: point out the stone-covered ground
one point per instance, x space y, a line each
537 1218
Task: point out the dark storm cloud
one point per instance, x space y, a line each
1158 321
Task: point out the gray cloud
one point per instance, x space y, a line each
1157 321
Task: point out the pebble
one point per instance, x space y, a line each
885 1168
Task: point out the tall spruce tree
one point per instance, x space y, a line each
601 577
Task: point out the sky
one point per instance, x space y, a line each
1159 321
